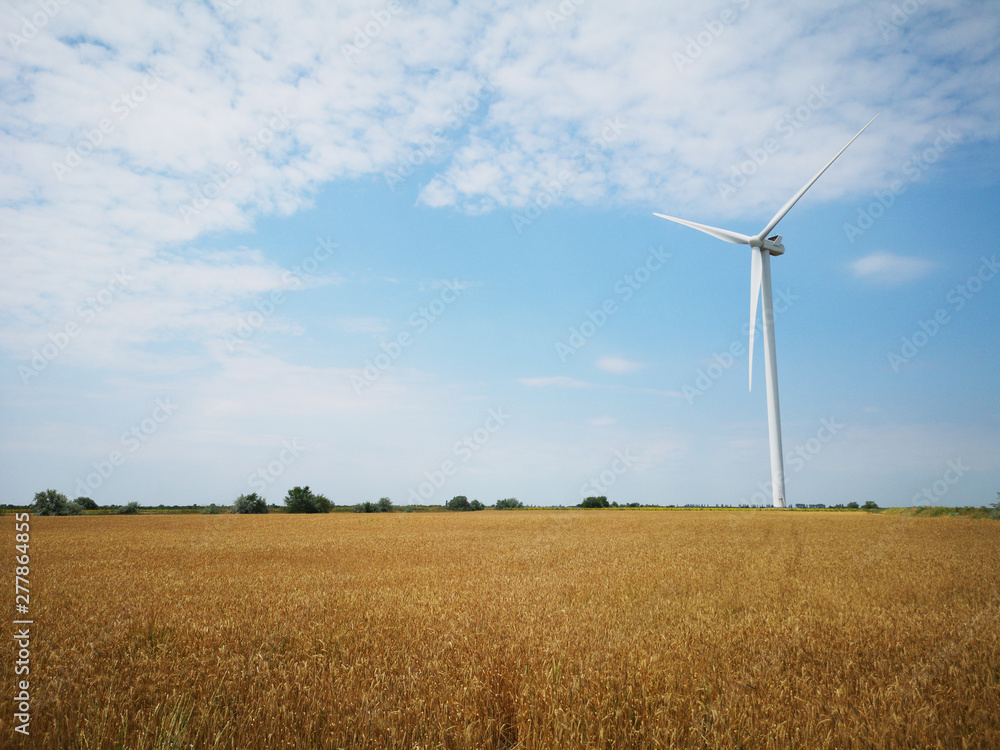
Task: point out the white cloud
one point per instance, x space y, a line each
248 112
559 381
617 365
890 268
214 117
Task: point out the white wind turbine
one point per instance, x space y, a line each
762 248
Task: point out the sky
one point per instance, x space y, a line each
408 250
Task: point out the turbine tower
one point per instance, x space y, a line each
762 247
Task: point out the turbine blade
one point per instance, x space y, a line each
795 198
756 272
723 234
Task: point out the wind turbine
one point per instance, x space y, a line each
762 248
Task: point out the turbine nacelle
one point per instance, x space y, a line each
773 245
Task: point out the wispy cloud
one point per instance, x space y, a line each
618 365
162 141
150 140
891 269
558 381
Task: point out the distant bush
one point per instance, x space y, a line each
459 502
935 511
52 503
869 505
852 505
510 503
213 510
86 503
995 508
384 505
251 503
302 500
132 509
595 502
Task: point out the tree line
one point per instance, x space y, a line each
297 500
304 500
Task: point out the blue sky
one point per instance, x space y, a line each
408 250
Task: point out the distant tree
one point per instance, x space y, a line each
212 510
384 505
302 500
995 508
459 502
870 505
251 503
323 503
636 505
595 502
132 509
852 505
52 503
86 503
510 503
838 506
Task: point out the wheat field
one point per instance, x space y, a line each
518 629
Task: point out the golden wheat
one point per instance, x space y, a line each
526 629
